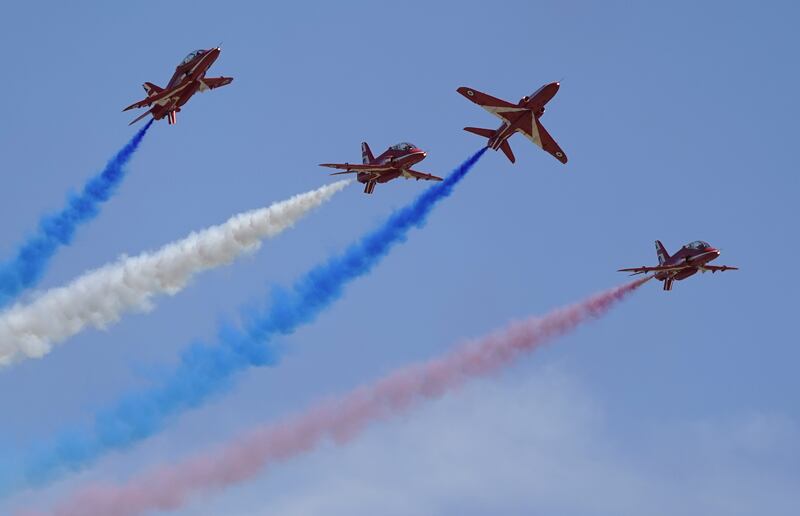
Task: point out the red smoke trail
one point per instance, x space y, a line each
170 487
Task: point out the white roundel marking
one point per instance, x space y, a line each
560 154
470 93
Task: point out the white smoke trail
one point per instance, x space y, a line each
100 297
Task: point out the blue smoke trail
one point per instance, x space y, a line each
27 267
205 369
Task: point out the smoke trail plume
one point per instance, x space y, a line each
27 267
100 297
170 487
204 370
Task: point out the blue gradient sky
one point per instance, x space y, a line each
680 121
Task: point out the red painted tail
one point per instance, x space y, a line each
489 133
662 253
152 89
366 154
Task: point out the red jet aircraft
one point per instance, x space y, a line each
522 117
395 162
686 262
189 78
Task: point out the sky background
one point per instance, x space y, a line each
680 122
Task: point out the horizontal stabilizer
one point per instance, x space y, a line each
153 96
489 133
147 113
486 133
506 148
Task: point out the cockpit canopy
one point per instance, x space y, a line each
698 244
405 146
192 55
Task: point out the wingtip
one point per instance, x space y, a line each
466 91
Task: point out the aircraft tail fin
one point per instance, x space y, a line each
662 253
488 133
366 155
152 89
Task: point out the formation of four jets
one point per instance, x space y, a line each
522 117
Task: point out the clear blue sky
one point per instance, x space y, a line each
680 121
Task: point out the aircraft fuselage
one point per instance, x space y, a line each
534 106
